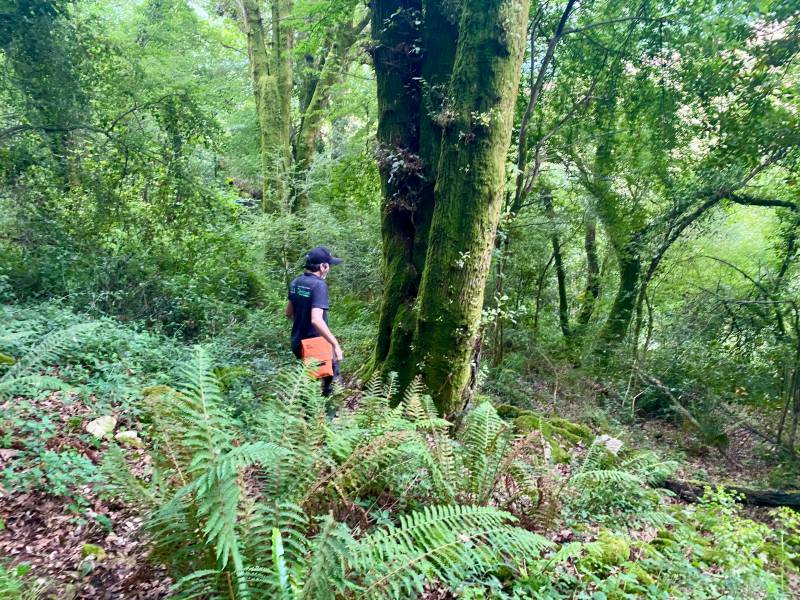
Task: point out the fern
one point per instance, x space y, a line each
49 350
241 520
446 543
326 568
486 438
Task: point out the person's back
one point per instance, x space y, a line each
308 306
306 292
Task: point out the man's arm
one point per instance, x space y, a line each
289 311
318 321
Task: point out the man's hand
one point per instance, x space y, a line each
318 321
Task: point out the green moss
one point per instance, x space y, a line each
529 421
608 550
572 431
557 431
93 550
5 359
508 411
525 423
643 576
157 392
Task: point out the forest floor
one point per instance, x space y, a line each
85 546
57 536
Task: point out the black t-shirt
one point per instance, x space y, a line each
306 292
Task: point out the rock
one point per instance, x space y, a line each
102 426
612 444
93 550
129 438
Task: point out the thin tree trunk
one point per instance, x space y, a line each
592 290
479 117
561 275
333 65
619 318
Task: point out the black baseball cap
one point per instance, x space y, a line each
320 255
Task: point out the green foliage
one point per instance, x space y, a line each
46 352
14 586
281 501
614 489
231 494
95 367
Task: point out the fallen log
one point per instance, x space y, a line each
692 491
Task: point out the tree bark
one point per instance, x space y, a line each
468 195
621 314
397 71
271 74
561 274
592 291
413 68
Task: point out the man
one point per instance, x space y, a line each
308 308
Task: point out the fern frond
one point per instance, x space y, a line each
374 387
390 388
49 350
447 543
485 437
123 484
205 584
326 570
21 375
27 383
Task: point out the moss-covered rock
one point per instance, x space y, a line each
572 431
508 411
559 433
94 551
609 550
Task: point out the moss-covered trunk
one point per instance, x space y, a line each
623 220
414 55
478 119
592 291
271 74
619 318
333 65
397 70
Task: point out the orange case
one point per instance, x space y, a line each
318 349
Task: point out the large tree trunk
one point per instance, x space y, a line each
478 120
411 88
397 71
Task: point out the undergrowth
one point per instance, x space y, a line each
259 493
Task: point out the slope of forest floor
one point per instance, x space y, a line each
60 526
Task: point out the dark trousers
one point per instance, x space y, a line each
327 382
